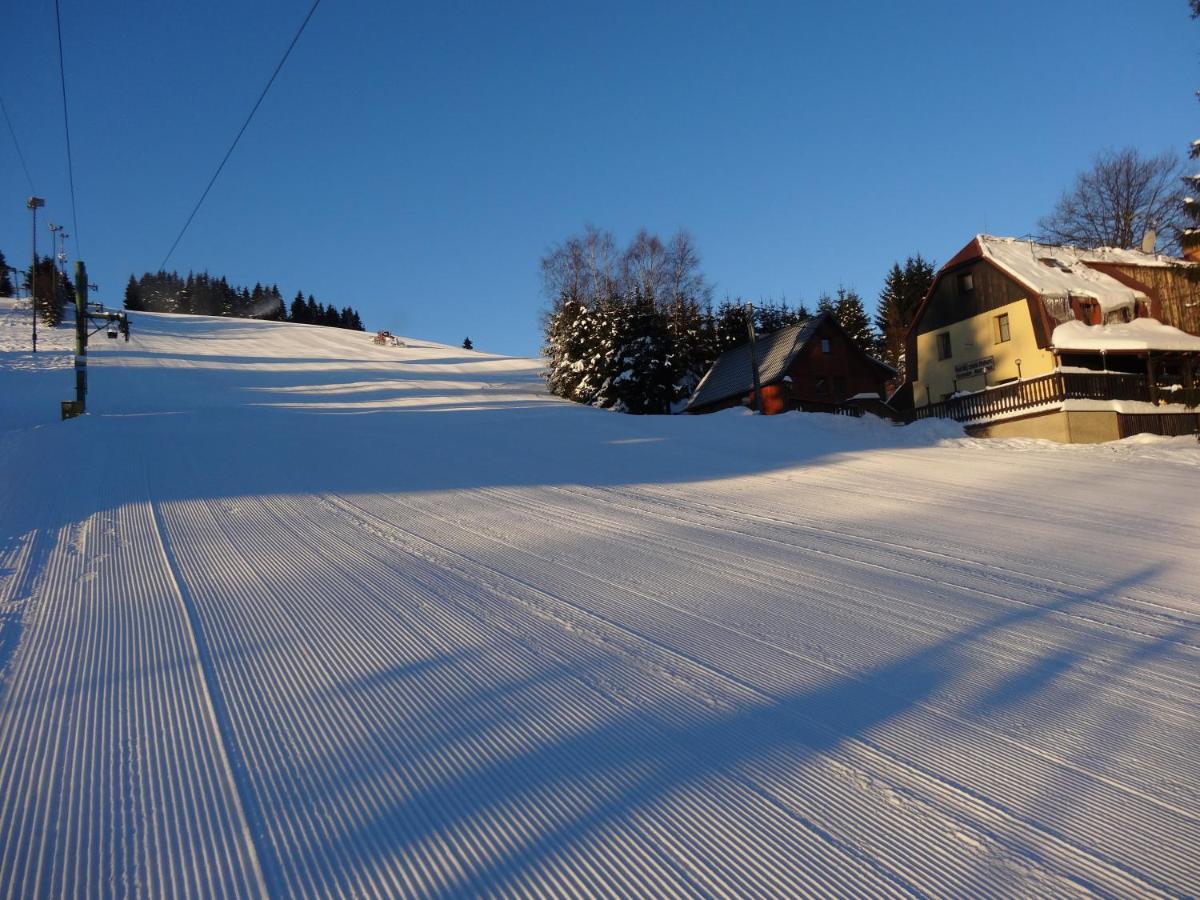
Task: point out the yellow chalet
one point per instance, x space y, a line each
1017 338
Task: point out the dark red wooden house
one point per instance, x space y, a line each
814 365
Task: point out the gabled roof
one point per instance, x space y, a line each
732 376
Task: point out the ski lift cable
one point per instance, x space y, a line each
17 144
62 77
162 266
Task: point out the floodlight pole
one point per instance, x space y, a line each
33 204
54 229
756 405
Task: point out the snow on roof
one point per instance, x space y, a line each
1125 257
1140 334
1059 272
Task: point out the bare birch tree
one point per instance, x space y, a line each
684 280
582 267
644 265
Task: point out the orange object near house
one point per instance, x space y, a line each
775 398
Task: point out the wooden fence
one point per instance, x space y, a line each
1158 423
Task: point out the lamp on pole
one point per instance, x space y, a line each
33 204
62 251
1018 370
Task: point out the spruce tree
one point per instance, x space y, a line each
903 291
49 304
298 311
613 362
6 285
572 350
731 327
690 347
848 310
279 308
646 361
467 345
133 298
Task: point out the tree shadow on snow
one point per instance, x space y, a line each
479 754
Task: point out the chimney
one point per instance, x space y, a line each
1149 239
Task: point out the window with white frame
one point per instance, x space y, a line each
1002 331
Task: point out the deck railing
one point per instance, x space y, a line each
1047 389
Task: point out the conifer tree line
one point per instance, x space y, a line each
635 329
50 303
203 295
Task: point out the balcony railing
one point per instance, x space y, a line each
1048 389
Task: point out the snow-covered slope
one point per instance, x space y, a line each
292 614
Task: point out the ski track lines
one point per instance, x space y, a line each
328 740
1014 775
110 778
347 749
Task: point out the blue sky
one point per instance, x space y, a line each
415 160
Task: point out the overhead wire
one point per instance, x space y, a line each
241 131
62 77
17 144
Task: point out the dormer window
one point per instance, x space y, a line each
1086 310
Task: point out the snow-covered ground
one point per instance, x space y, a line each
291 614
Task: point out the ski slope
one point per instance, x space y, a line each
289 614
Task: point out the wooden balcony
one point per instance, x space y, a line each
1051 389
